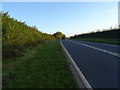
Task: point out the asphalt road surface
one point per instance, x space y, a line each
97 61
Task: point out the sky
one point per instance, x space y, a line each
60 0
69 18
119 14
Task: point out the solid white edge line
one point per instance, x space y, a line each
102 50
86 83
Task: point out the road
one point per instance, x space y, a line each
97 61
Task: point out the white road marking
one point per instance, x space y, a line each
77 69
102 50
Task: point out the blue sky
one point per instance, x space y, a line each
68 17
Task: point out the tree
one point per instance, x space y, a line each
59 35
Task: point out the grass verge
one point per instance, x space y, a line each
44 66
100 40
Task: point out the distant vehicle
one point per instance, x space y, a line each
63 37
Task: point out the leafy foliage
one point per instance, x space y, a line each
112 33
59 35
16 36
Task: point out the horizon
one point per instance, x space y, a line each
70 18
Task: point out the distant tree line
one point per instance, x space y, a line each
17 35
110 33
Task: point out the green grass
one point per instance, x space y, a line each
100 40
43 66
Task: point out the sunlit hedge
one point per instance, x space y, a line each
17 35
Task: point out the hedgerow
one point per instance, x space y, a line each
105 34
17 35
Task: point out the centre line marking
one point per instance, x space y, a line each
102 50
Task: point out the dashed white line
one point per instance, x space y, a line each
102 50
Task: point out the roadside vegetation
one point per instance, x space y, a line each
110 36
32 59
16 36
43 66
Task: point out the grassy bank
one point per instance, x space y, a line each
43 66
100 40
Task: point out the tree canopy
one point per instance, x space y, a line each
59 35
